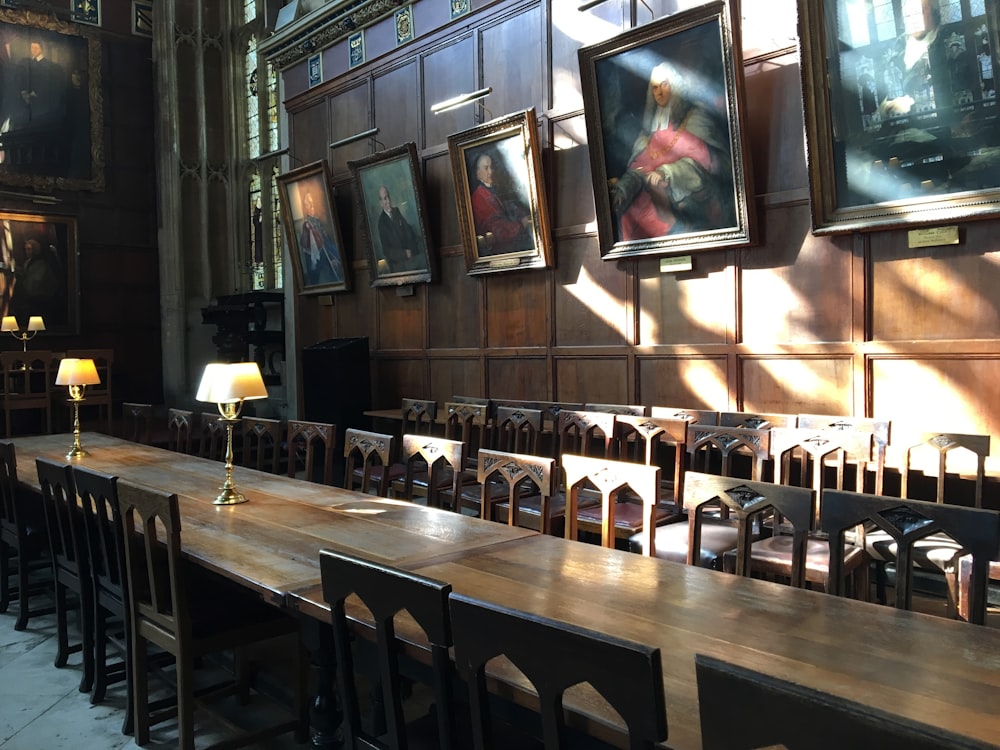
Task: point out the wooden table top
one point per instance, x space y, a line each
925 668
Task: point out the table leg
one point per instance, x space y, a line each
325 714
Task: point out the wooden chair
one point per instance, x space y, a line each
99 395
701 416
515 430
418 416
504 478
24 551
469 423
943 446
211 436
878 429
304 441
755 421
711 446
262 444
27 385
137 420
554 656
432 464
68 549
366 460
180 429
586 433
190 616
610 479
788 510
813 449
106 557
642 440
634 410
743 709
975 532
388 592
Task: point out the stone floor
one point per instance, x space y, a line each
41 707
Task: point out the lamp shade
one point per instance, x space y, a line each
224 383
77 372
35 323
9 323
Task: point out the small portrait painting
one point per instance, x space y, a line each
390 199
313 232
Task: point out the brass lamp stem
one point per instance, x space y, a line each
76 398
228 494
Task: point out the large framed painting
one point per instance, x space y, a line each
393 216
500 195
900 102
313 232
38 270
51 106
664 107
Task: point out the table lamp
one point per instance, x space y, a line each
229 385
35 324
77 374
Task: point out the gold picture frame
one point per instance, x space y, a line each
664 107
500 196
52 119
312 229
901 113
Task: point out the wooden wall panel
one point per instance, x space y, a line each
448 72
520 378
406 377
695 307
401 319
516 305
590 296
439 194
353 312
691 382
570 165
397 105
775 125
310 133
515 87
950 394
797 385
350 113
454 307
936 292
798 288
450 377
602 380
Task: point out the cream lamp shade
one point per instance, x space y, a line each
223 383
77 372
35 323
9 323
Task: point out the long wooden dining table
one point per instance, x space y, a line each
920 667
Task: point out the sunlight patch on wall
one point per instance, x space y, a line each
584 28
595 298
705 379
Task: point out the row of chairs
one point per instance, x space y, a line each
739 707
114 555
299 448
27 383
648 523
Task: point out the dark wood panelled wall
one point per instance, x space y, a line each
849 324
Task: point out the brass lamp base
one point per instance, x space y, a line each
76 452
229 496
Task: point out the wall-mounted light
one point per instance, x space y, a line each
355 137
458 101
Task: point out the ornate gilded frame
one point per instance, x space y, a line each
639 150
489 217
65 151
